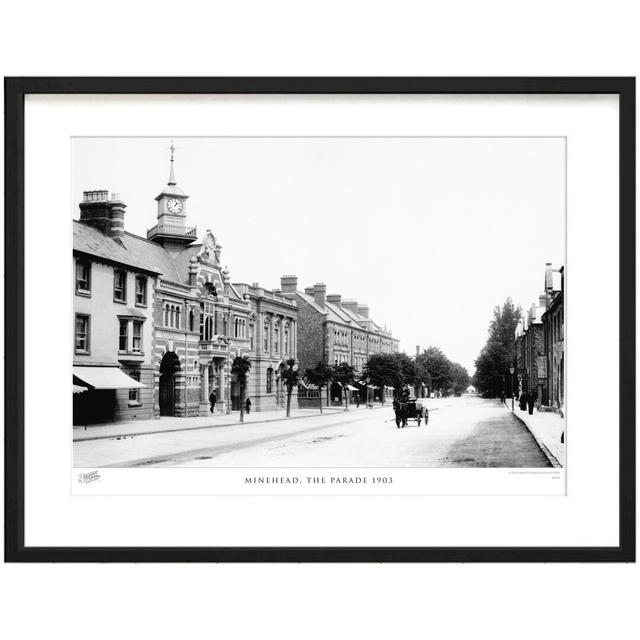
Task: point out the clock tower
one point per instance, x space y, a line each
170 231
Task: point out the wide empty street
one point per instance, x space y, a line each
462 432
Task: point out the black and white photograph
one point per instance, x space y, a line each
319 303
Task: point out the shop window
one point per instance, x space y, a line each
134 394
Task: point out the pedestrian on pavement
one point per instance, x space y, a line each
212 401
247 405
502 397
531 400
356 397
523 401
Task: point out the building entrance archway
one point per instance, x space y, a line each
169 366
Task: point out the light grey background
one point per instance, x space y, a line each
430 232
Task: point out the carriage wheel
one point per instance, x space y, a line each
418 419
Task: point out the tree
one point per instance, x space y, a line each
383 370
290 377
435 364
460 377
408 371
496 357
320 375
344 374
240 368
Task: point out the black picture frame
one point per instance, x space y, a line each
15 91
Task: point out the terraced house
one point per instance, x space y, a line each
333 330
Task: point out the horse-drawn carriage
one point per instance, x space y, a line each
410 409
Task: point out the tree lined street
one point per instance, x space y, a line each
463 431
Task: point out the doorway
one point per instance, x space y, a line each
169 366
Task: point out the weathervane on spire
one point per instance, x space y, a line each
172 179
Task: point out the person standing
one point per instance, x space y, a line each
247 406
356 397
523 401
502 397
212 401
531 400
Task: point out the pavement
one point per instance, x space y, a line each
168 424
461 432
547 428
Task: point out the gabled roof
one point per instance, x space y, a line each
153 254
91 241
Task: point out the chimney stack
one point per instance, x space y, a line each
335 298
319 293
548 278
350 304
363 310
104 214
417 350
542 300
117 217
289 284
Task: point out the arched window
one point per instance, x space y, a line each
191 319
286 339
276 338
172 316
166 315
178 314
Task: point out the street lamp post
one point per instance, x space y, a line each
512 371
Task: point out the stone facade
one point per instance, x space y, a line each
195 321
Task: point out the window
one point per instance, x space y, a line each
251 329
172 316
269 379
82 333
239 325
166 315
178 314
286 340
123 337
119 285
266 337
191 319
137 336
276 339
141 291
134 398
83 277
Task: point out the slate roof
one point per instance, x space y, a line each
88 240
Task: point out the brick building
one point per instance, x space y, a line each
334 330
539 344
194 321
553 327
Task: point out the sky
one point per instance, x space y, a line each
431 233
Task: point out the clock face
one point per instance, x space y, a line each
174 205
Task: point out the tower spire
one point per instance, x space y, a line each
172 178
